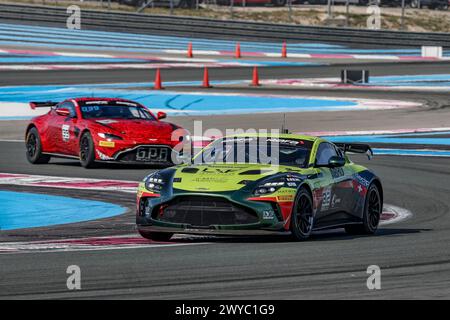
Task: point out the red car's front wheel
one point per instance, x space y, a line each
87 151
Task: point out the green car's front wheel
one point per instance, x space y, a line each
302 219
156 236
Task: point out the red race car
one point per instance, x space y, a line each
103 129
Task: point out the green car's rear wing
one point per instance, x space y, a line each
356 148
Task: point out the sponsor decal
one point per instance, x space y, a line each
103 156
107 144
285 198
268 214
106 121
335 201
363 181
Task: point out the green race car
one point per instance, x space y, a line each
252 184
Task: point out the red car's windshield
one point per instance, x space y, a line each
98 111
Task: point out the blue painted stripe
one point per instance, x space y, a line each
179 103
63 59
390 140
28 210
406 152
46 36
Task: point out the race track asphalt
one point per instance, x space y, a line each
232 73
414 255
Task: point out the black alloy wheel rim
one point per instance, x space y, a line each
31 145
374 210
304 216
84 148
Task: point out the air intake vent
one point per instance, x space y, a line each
189 170
255 172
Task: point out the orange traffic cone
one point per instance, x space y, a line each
158 84
284 50
238 51
206 79
189 52
255 80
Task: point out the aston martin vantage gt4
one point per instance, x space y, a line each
252 184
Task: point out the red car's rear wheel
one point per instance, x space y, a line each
34 148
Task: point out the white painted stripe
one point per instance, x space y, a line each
200 52
79 54
19 109
67 183
400 214
43 67
378 57
30 247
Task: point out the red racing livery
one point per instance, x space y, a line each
102 129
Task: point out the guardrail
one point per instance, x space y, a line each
224 29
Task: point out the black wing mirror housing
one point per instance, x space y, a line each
336 161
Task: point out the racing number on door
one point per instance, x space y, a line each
65 132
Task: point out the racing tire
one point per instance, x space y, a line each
34 148
156 236
302 218
87 151
372 214
279 3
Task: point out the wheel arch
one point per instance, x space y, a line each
377 182
306 186
29 127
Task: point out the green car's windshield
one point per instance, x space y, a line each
256 150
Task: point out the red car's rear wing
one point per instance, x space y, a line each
47 104
355 148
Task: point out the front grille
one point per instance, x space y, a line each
147 154
205 211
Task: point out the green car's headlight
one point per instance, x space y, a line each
269 187
154 182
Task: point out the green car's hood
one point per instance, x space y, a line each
223 177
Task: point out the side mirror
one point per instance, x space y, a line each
161 115
336 161
63 112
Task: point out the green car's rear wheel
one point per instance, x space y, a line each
302 219
372 213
